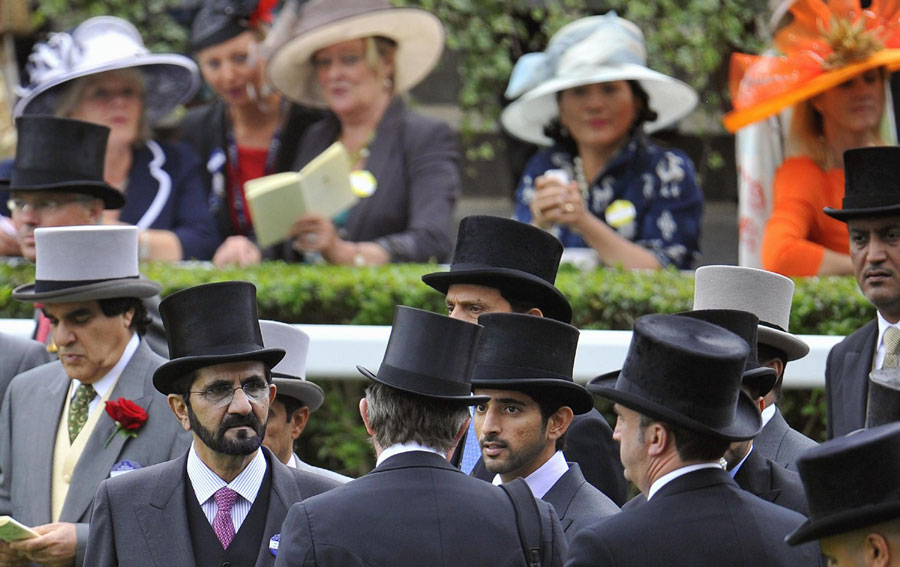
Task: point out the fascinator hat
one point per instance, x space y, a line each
217 21
596 49
101 44
825 45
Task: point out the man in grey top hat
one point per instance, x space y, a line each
56 441
295 396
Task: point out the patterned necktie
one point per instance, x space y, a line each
891 342
222 525
471 450
78 409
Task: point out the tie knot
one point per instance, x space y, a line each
225 498
85 392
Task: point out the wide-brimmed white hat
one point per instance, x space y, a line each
289 375
596 49
101 44
765 294
85 263
419 36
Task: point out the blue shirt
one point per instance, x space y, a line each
658 185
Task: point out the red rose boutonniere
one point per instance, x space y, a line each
129 417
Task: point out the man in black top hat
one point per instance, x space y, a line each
871 209
415 508
679 405
223 501
524 365
853 485
502 265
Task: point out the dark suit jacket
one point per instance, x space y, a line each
847 380
577 502
589 443
701 519
141 518
18 355
772 482
781 444
415 509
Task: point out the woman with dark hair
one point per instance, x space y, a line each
601 183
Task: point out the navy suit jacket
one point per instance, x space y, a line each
577 502
847 380
415 509
772 482
701 519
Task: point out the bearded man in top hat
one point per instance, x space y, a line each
502 265
768 296
871 209
223 501
853 485
295 399
524 365
56 441
679 406
415 508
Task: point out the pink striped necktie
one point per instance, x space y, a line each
222 525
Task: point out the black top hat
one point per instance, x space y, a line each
217 21
532 354
430 355
687 372
508 255
211 324
871 183
851 482
63 155
743 324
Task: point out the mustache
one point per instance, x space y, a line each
238 420
492 439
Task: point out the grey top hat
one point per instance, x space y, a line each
765 294
289 375
84 263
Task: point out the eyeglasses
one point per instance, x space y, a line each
20 205
221 394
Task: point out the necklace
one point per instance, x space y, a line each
580 178
363 152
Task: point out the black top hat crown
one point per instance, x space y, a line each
532 354
64 155
211 324
687 372
430 355
745 325
512 256
851 482
871 183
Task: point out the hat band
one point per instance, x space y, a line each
487 372
46 176
772 326
424 384
228 349
714 417
44 286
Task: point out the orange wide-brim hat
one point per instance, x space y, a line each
824 46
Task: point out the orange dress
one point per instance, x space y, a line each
798 232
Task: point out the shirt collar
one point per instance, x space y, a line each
399 448
542 480
733 472
206 482
768 414
103 385
670 476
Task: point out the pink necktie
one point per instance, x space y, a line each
222 525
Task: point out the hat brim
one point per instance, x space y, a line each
737 119
139 287
670 98
469 400
761 379
112 198
548 298
847 214
169 80
746 425
845 521
419 36
174 369
793 347
568 393
310 394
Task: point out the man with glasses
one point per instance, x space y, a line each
222 502
60 435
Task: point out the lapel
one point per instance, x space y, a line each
755 477
563 491
44 407
163 518
853 385
96 461
772 436
285 492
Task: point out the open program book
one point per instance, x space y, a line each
11 530
322 187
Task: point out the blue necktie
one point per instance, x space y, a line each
471 450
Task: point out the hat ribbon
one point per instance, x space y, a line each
416 381
50 59
44 286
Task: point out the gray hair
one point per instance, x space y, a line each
401 417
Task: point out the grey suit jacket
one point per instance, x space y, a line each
18 355
577 502
29 418
781 444
141 518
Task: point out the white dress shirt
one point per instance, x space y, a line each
246 484
399 448
542 480
105 384
670 476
